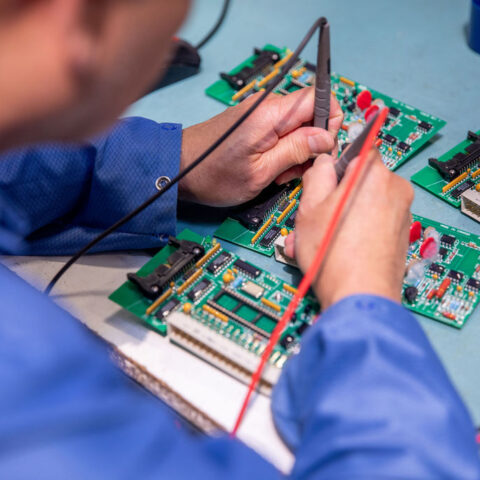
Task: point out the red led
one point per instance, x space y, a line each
415 231
428 249
364 99
371 111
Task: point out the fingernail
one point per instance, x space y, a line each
320 143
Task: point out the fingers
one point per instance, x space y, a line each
294 172
290 245
291 111
295 149
320 180
336 117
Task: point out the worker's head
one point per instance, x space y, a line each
69 67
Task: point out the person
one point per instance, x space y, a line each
366 397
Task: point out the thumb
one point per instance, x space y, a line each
296 148
320 180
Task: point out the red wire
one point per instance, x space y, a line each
314 267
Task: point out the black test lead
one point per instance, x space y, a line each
322 77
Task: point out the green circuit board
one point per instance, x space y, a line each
407 129
457 268
275 215
454 174
217 290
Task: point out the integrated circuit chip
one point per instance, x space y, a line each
454 275
247 268
457 193
447 239
199 289
302 328
218 262
394 112
425 126
389 138
290 222
270 236
404 147
167 308
437 268
473 283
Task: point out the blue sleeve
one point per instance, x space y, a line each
349 408
68 194
367 398
67 413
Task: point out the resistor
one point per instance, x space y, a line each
295 191
261 231
443 287
290 207
431 294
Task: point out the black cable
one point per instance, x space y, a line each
213 31
285 68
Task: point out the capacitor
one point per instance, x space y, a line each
227 277
415 272
370 112
429 248
379 103
364 99
354 130
415 231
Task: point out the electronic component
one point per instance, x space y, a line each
447 239
394 112
252 289
270 237
404 147
462 188
167 308
471 203
277 214
389 139
454 275
280 255
473 283
302 328
185 254
425 126
455 176
442 251
199 289
450 169
254 213
287 340
437 268
218 262
410 294
415 231
247 268
364 99
290 223
358 103
225 323
263 58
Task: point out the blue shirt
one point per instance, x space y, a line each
366 398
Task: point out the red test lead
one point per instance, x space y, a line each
315 265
